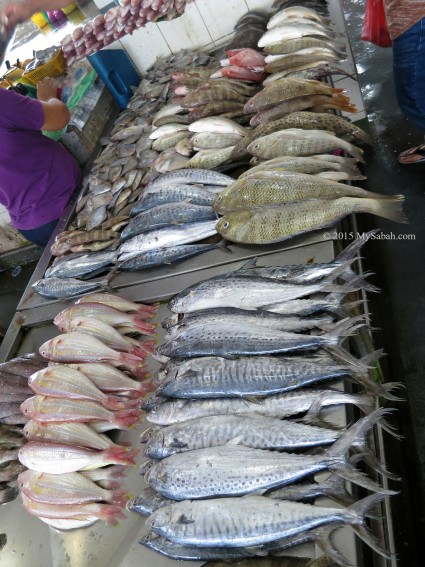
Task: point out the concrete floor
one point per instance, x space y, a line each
399 267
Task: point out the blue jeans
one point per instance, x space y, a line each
409 73
41 234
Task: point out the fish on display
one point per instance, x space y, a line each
275 224
65 288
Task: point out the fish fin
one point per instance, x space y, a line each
352 249
374 463
360 510
185 520
235 441
336 488
322 537
256 551
251 263
343 329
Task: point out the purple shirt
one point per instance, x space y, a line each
37 174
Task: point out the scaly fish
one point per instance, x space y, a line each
80 434
282 222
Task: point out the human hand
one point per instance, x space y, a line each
47 89
14 13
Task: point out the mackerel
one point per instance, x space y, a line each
249 431
190 176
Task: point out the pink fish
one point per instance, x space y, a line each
110 514
243 73
247 58
56 458
79 347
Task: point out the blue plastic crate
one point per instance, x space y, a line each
117 71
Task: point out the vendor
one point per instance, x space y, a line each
37 174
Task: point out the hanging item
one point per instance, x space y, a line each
375 27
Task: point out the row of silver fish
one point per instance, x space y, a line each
211 442
93 384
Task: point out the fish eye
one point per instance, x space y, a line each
256 146
226 224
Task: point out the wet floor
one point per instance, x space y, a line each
399 266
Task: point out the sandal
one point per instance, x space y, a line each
414 155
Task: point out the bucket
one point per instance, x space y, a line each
117 71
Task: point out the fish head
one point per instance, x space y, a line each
29 428
27 408
46 349
165 520
229 225
146 468
24 479
147 435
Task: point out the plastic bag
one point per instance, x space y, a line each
375 25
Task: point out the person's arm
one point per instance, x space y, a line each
56 113
18 11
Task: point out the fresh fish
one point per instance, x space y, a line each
169 160
109 513
168 141
249 431
298 142
147 502
110 379
71 267
159 257
48 409
184 147
277 405
118 302
78 347
166 130
231 315
190 176
105 313
300 60
64 382
294 45
217 124
125 133
64 288
14 383
7 455
309 165
282 222
166 237
238 291
271 188
284 89
167 214
209 140
194 194
8 493
209 159
80 434
10 471
333 487
254 520
250 376
292 31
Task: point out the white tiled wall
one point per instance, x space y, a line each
207 23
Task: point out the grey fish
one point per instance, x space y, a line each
60 288
231 315
10 471
209 140
166 237
127 132
249 431
168 141
191 176
176 551
147 502
167 214
233 290
71 267
8 493
159 257
209 159
217 377
254 520
194 194
277 405
332 487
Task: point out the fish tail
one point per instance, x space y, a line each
355 284
120 455
143 327
335 487
114 403
390 208
360 510
111 514
343 329
352 249
133 362
126 418
120 497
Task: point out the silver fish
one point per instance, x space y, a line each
63 288
194 194
249 431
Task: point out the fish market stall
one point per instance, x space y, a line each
158 157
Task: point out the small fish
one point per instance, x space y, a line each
218 125
64 288
80 434
118 302
208 159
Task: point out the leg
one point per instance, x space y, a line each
409 78
41 234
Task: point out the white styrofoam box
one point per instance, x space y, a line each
186 32
145 46
220 18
